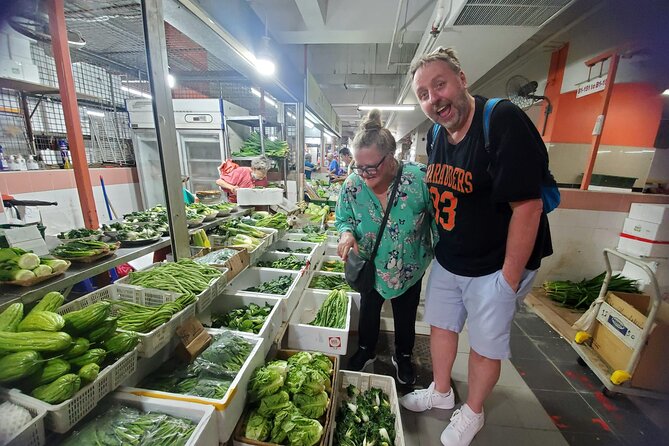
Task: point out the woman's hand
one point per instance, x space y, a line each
346 242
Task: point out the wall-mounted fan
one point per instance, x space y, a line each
520 91
35 25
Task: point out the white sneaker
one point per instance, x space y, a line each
426 399
464 425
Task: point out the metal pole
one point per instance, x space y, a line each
163 114
299 143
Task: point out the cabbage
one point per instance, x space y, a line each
321 362
265 381
306 380
300 358
304 432
257 427
272 404
311 406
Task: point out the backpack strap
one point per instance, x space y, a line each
487 113
435 133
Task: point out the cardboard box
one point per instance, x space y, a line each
194 339
647 230
641 248
619 323
237 263
653 213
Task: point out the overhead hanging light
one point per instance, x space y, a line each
269 100
264 58
400 107
135 92
308 124
171 81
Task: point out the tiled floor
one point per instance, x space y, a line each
543 397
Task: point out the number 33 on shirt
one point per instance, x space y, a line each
445 203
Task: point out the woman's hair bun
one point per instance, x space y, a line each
372 121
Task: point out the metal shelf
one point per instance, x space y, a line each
47 90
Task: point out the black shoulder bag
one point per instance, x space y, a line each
360 273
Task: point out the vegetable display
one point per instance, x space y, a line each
185 276
333 312
288 398
280 285
321 281
80 233
252 147
82 248
210 375
50 359
314 238
579 295
249 318
143 319
306 250
317 213
154 215
240 235
18 264
333 266
133 233
114 229
288 262
276 221
365 418
126 426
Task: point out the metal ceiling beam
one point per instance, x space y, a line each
343 36
313 12
223 76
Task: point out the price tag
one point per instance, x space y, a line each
27 238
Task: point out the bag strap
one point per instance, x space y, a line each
435 133
396 186
487 113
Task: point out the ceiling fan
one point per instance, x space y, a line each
520 91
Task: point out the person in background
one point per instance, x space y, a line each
309 166
405 250
234 176
333 165
493 234
346 158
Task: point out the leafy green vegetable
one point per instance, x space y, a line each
271 404
312 406
280 286
266 381
290 262
250 318
333 266
258 427
333 312
306 250
579 295
365 419
324 282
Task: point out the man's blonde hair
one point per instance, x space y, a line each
444 54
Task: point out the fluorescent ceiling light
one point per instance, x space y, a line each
269 100
290 115
331 135
308 124
136 92
95 113
666 92
171 81
402 107
265 67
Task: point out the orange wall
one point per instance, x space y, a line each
632 119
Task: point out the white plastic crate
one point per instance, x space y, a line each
32 434
330 250
220 241
206 430
273 234
229 408
271 256
225 303
151 342
61 417
255 276
366 381
302 336
327 258
317 249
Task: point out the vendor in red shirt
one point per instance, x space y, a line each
234 176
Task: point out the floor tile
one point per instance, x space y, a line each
431 424
541 375
504 435
533 325
580 377
522 347
511 406
412 434
583 439
570 412
558 349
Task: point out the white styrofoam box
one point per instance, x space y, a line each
206 430
255 276
32 434
331 249
258 197
327 258
273 234
30 72
61 417
364 382
647 230
151 342
302 336
226 303
660 270
654 213
11 69
643 249
228 409
271 256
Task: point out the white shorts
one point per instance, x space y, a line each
487 303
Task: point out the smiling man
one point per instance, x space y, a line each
493 234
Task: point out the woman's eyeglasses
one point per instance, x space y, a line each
369 170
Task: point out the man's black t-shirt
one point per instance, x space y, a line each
470 190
